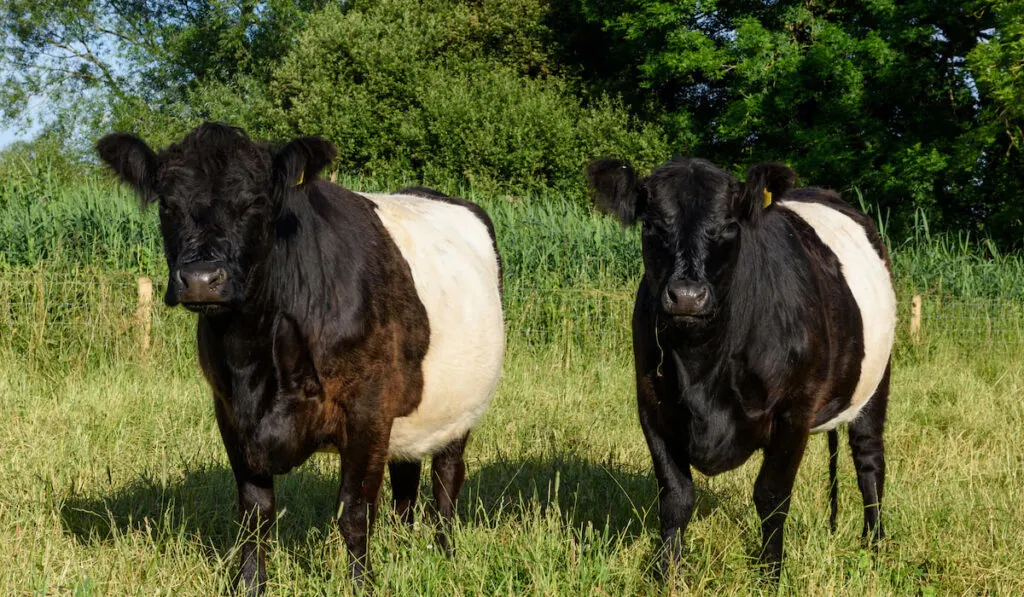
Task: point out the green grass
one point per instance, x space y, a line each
115 481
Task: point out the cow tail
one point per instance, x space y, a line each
833 484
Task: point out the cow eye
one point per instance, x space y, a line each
729 230
252 209
654 232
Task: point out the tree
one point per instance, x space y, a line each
455 93
875 95
131 64
997 64
449 93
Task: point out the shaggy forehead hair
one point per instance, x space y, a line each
211 153
690 185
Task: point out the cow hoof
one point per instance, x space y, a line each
445 544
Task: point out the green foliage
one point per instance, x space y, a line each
998 68
441 92
92 223
875 95
133 65
918 104
37 167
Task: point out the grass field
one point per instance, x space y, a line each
114 480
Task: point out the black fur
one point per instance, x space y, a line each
771 177
301 160
775 351
132 160
616 189
314 338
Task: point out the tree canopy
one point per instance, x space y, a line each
918 105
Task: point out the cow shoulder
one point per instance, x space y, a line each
477 211
343 278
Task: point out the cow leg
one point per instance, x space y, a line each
405 484
833 479
362 472
869 458
448 472
676 497
255 511
773 489
256 514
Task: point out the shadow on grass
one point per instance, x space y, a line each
604 494
579 490
201 505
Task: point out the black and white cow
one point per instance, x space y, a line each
765 314
328 320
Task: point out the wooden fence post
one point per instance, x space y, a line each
40 311
915 319
144 313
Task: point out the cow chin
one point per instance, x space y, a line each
208 308
687 320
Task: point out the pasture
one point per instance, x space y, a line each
115 482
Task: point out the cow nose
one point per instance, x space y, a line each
686 298
201 283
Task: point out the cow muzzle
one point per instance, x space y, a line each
687 299
202 287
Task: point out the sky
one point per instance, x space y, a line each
9 135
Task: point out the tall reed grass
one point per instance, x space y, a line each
70 255
548 242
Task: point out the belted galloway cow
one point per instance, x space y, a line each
765 313
329 320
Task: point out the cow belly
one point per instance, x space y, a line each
869 282
455 270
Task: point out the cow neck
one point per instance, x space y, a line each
694 349
318 270
235 352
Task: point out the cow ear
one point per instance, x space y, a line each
133 162
616 190
301 160
293 362
765 184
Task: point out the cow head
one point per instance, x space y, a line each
693 217
219 195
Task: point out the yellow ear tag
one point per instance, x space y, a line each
302 177
767 198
